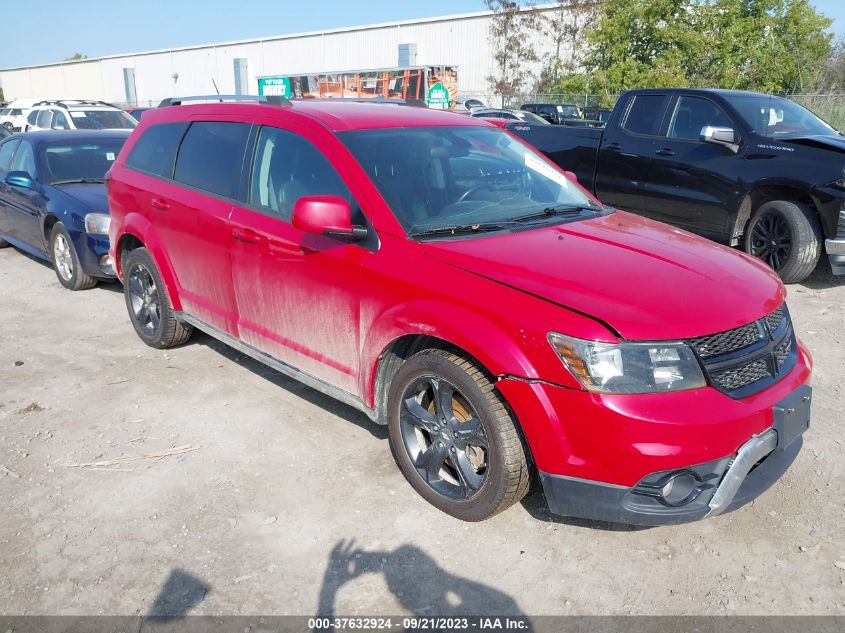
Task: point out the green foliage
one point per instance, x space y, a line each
509 37
765 45
76 57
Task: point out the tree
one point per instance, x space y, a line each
766 45
562 27
76 57
510 32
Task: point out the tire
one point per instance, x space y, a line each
66 261
148 304
787 236
4 243
472 482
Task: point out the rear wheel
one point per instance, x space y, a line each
149 306
787 236
4 243
453 437
66 261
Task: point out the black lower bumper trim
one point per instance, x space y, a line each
587 499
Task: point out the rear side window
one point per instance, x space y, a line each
31 117
644 114
211 156
7 150
155 152
44 119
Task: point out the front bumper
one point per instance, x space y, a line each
836 251
596 453
93 253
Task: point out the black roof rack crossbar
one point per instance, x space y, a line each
393 100
268 99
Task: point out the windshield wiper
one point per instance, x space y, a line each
460 229
84 181
557 210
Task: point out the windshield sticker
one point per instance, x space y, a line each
77 115
109 155
544 169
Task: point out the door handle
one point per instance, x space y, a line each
247 236
613 147
665 152
160 203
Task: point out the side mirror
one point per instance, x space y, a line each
725 136
20 179
571 175
327 215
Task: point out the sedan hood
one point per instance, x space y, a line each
644 279
92 196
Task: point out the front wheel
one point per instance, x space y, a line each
453 437
787 236
66 261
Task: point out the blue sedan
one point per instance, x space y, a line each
53 202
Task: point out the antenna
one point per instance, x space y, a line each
215 87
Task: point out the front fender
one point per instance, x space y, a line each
137 225
525 354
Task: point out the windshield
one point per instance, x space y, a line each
440 177
102 120
74 161
776 117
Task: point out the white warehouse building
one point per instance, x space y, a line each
460 44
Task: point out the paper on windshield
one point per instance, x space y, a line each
78 115
543 168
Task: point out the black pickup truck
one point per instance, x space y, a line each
742 168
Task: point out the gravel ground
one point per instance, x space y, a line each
283 501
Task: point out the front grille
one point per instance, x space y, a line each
739 377
726 342
774 320
749 358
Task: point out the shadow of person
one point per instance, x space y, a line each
419 584
180 593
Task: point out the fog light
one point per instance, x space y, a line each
106 264
680 489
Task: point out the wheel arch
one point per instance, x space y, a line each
763 193
137 232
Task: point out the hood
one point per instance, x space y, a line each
646 280
92 196
836 143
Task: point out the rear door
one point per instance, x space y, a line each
626 151
297 293
187 177
693 184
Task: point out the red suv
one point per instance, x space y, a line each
440 275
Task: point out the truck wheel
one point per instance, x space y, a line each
453 438
66 261
787 236
4 243
148 304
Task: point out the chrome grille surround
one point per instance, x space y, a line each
747 359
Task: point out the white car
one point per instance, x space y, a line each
71 114
13 116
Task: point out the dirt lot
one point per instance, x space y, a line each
286 502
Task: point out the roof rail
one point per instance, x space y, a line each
267 99
393 100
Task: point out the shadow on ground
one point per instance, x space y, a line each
180 593
419 584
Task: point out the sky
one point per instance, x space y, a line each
107 27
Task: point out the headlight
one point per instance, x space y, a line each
97 223
629 367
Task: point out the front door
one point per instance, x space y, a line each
23 205
297 293
693 184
